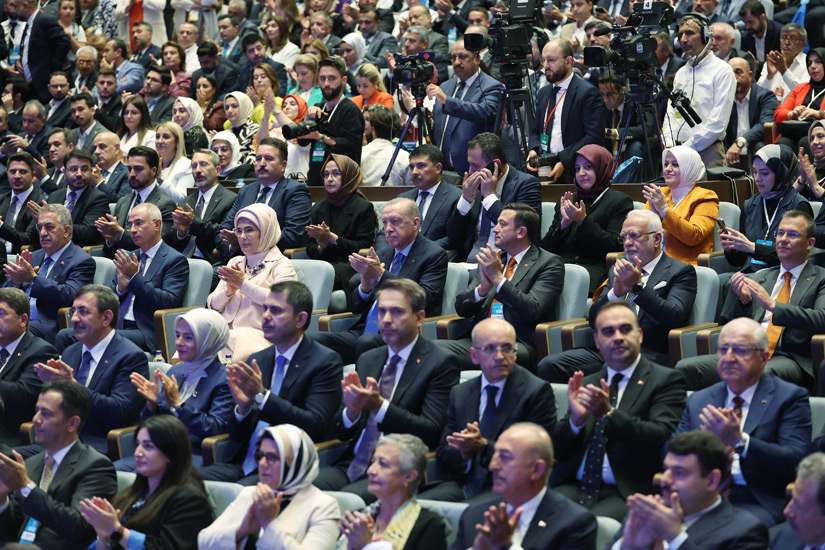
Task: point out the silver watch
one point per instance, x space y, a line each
741 142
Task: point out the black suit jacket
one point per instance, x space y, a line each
24 230
581 119
48 47
226 73
525 398
83 473
20 385
309 397
163 110
91 205
674 65
419 404
761 105
124 203
443 224
144 58
786 540
60 117
39 145
559 524
647 415
109 114
117 184
354 223
205 230
380 43
772 43
528 298
664 304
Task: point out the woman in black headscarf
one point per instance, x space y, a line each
587 223
806 101
812 168
753 248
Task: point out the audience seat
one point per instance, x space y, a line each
450 512
817 415
221 494
569 308
607 529
458 279
104 271
124 480
548 212
562 405
347 502
319 276
716 260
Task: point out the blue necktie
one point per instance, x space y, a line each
422 201
372 316
249 463
83 371
278 375
474 483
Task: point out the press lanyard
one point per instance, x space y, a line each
770 221
814 98
550 116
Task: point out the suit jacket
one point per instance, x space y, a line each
645 418
761 106
803 315
443 224
60 117
779 425
130 77
226 73
291 202
559 523
115 401
89 82
426 264
772 43
581 119
20 385
624 10
674 65
163 110
310 394
419 403
48 48
528 298
207 412
24 230
89 143
786 540
458 121
245 74
39 145
354 222
83 473
58 289
635 130
660 309
91 205
124 203
117 184
525 398
380 43
108 114
205 230
144 59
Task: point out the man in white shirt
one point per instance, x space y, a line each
784 70
188 40
380 123
753 106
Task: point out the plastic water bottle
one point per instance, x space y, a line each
159 357
227 359
452 37
240 183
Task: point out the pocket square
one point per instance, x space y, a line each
662 284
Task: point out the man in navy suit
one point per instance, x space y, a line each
761 105
407 255
19 384
228 29
112 176
482 408
521 466
289 198
690 513
34 135
158 80
102 361
224 71
18 226
58 105
806 520
464 107
491 184
403 387
51 275
378 42
145 50
570 112
775 427
294 381
254 52
83 107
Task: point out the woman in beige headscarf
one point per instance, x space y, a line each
245 280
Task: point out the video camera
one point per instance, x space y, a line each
508 38
414 69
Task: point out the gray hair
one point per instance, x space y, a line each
812 468
422 32
727 29
798 28
64 217
413 455
34 104
654 223
87 49
760 337
410 208
213 156
327 17
151 209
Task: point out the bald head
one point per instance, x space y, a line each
107 150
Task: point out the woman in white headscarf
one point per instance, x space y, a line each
353 47
239 121
284 511
188 114
194 390
688 212
226 146
245 280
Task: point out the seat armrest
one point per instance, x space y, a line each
325 321
114 440
442 327
568 334
703 340
675 344
817 356
209 448
63 319
429 326
295 253
27 433
330 451
543 344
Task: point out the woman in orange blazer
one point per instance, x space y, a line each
371 88
806 100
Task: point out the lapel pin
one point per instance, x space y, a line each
542 524
105 361
412 261
641 382
764 401
418 361
19 354
297 366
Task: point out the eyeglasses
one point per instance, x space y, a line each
790 38
271 458
81 311
793 235
634 236
738 350
492 349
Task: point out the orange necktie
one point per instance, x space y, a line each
774 332
508 274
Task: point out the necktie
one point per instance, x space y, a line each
12 30
262 195
135 201
104 175
727 482
592 477
4 356
484 229
47 265
72 200
48 472
551 106
508 274
199 207
617 118
774 332
372 317
459 93
278 375
11 213
362 457
127 302
83 371
478 474
422 202
249 463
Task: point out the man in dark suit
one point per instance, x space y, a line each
616 114
761 104
290 200
83 106
111 176
84 74
570 112
18 226
19 384
516 281
224 71
481 201
58 105
666 63
420 16
34 135
49 486
788 302
85 202
407 255
690 513
254 52
767 421
129 74
403 387
760 28
320 27
145 50
416 40
521 466
294 381
806 521
61 141
482 408
464 107
617 416
51 275
378 41
230 46
142 164
452 15
158 80
663 291
43 50
108 112
199 215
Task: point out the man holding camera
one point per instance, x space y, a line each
343 123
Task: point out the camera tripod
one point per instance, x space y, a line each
419 113
514 98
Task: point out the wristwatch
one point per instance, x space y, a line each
637 289
26 491
741 142
259 398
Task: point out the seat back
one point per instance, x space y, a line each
638 205
457 280
221 494
379 208
155 365
817 415
548 212
347 502
319 276
104 270
607 529
730 213
562 406
450 512
707 296
200 281
573 297
125 479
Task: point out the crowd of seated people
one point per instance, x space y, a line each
203 287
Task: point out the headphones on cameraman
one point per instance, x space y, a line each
704 25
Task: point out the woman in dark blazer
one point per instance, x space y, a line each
167 504
342 223
587 223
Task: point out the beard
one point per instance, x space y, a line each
335 92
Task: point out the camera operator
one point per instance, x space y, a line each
465 106
416 41
343 123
